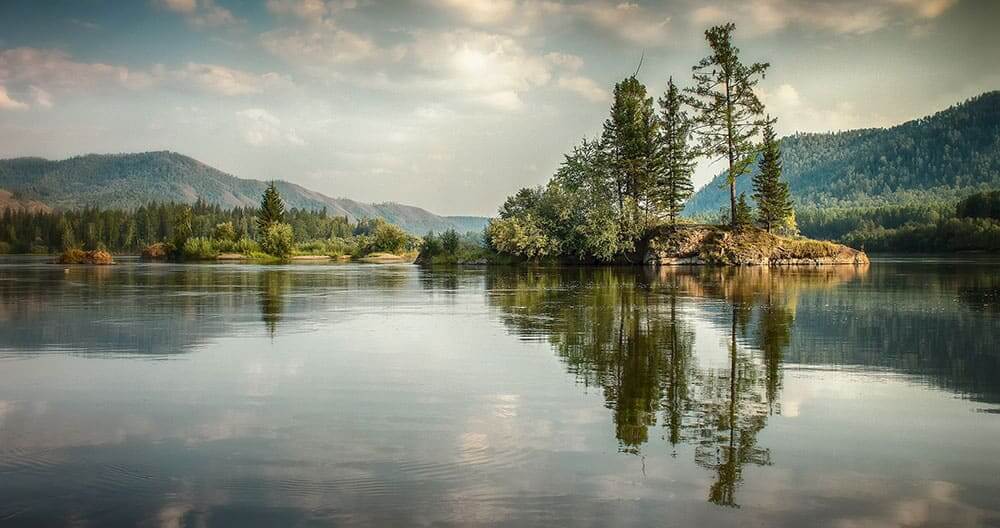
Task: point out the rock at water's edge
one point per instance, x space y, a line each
714 245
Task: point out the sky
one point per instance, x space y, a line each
450 105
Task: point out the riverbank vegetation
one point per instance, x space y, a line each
201 231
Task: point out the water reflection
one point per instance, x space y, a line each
273 286
623 330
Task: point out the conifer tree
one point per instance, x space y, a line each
629 142
742 215
272 208
673 185
774 205
728 114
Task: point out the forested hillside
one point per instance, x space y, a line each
943 157
126 181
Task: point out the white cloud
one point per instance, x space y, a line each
226 81
42 98
322 45
853 17
481 12
796 113
565 60
492 68
180 6
585 87
261 128
9 103
628 21
200 13
56 70
47 72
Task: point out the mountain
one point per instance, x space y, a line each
941 157
130 180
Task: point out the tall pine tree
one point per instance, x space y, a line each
673 184
774 204
629 143
272 208
728 114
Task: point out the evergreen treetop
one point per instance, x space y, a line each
272 208
774 204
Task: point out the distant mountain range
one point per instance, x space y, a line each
131 180
941 157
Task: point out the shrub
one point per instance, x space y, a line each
278 240
337 246
449 242
224 232
200 248
246 246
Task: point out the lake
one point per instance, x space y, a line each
318 394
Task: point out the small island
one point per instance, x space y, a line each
619 198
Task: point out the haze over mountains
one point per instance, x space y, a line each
130 180
940 157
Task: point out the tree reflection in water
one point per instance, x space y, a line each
627 331
273 285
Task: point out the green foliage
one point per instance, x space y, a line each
774 205
936 159
200 248
246 246
224 231
378 236
449 242
130 181
272 209
743 216
728 113
980 205
522 236
182 227
629 158
673 180
278 240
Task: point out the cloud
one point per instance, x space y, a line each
796 113
261 128
585 87
853 17
43 74
492 68
627 21
310 10
54 70
481 12
180 6
8 103
199 13
41 96
226 81
321 46
565 60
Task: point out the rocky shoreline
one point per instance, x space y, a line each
714 245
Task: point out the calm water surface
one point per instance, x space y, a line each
170 395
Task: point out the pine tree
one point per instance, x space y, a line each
728 114
272 208
742 215
774 205
629 142
673 185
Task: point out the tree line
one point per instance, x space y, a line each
201 230
613 194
